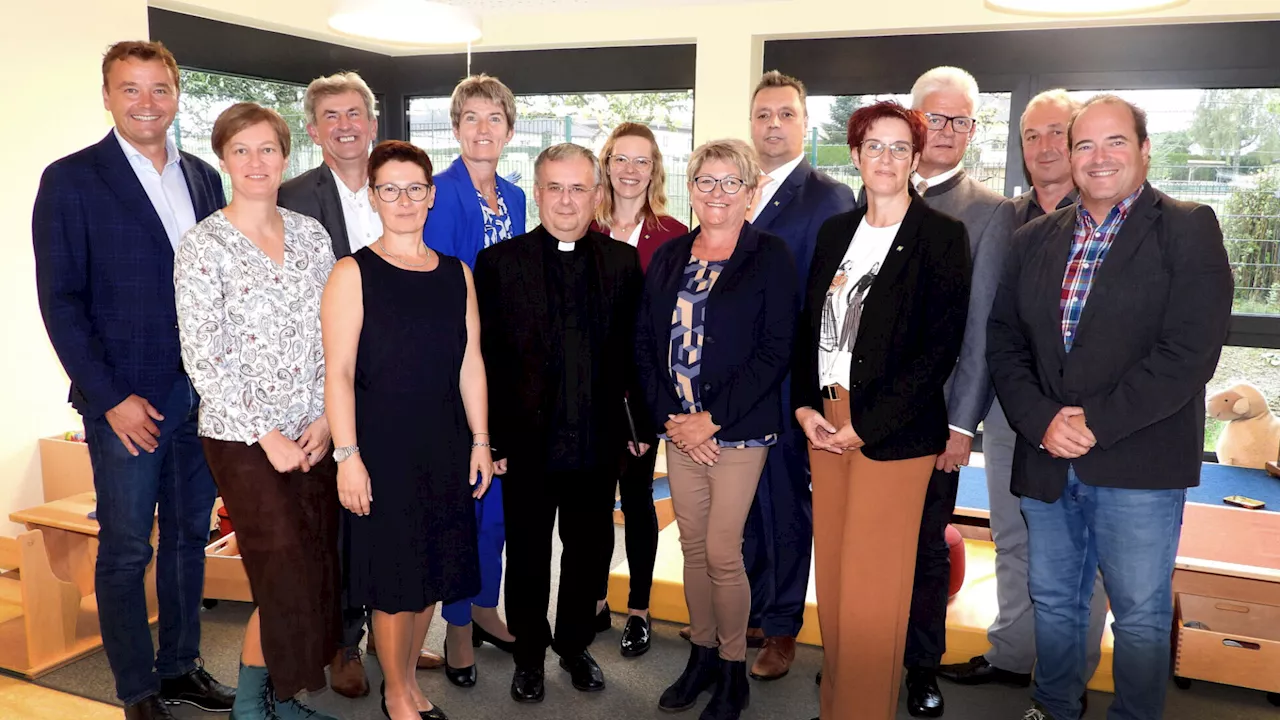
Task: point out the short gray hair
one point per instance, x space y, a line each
1058 97
567 151
483 87
731 150
944 77
336 84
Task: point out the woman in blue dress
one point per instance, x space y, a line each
474 209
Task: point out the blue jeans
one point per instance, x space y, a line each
176 477
1132 536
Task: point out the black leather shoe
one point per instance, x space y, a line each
635 636
583 671
198 688
479 636
980 672
604 621
924 699
462 677
152 708
700 672
732 693
528 686
817 679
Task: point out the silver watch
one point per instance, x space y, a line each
342 453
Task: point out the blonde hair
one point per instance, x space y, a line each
1058 97
945 77
730 150
484 87
336 84
655 202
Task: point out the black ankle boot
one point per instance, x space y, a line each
732 693
699 674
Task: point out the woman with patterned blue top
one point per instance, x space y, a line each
713 342
474 209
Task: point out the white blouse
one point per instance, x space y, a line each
250 329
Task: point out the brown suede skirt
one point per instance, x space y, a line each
287 527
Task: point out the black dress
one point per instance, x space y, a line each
417 545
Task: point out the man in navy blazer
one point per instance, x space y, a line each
106 223
778 539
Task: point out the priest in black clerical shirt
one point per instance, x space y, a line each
557 317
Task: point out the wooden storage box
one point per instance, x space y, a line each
64 468
1228 641
224 575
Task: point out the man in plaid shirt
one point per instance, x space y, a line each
1108 323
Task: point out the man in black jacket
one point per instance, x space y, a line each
558 308
1108 323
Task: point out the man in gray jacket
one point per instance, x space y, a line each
1012 636
949 97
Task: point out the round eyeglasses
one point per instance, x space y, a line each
729 184
641 163
960 124
875 148
389 193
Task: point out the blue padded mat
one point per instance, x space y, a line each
1216 482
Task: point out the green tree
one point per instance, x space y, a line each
1251 228
205 95
836 128
1229 124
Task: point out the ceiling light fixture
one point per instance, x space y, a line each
1080 7
407 22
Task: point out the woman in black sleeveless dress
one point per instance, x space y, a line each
408 407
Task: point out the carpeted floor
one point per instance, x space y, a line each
633 686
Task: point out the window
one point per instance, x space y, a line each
586 119
828 150
1258 366
1222 148
205 95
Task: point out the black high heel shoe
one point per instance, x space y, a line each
479 636
462 677
435 713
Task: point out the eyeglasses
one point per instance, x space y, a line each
875 148
729 184
389 193
640 163
960 124
577 192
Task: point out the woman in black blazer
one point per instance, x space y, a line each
713 343
884 316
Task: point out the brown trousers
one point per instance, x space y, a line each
866 518
711 505
287 528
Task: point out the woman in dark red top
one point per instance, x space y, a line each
634 211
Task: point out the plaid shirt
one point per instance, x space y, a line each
1088 250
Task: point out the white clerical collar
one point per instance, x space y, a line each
131 152
563 246
783 172
936 180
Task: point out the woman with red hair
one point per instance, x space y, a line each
884 316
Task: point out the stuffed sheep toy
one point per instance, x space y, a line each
1252 435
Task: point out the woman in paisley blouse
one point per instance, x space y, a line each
713 342
475 208
248 281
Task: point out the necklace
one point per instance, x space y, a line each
400 260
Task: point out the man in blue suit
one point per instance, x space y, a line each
778 539
107 221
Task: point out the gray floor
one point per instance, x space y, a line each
633 685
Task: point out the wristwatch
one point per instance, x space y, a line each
342 453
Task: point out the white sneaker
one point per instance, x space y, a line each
1036 713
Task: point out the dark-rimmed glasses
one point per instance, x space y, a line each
875 148
729 184
960 123
390 193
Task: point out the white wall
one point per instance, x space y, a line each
54 85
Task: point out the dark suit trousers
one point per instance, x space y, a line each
584 500
778 538
927 628
635 487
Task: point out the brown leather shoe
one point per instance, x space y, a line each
774 659
428 660
346 674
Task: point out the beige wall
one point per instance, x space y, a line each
56 108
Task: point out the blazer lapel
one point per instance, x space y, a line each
828 261
1053 268
1132 233
784 195
114 168
198 188
900 252
331 208
534 284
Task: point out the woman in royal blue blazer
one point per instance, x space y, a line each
474 209
713 342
